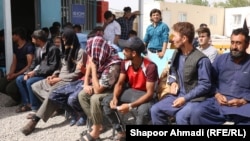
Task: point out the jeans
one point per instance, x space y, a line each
28 97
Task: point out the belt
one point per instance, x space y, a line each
154 50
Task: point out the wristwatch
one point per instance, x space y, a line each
130 107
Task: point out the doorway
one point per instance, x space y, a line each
23 14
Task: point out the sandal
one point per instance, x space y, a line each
89 138
23 108
119 137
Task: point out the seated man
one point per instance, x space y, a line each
204 43
23 52
231 101
140 74
68 72
45 62
101 74
190 79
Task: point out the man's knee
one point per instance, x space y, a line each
106 100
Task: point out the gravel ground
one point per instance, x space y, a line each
56 129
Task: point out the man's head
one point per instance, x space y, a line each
108 15
132 33
203 36
39 37
203 25
97 31
127 11
19 33
239 43
183 33
132 45
77 28
155 15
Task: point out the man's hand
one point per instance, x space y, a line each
222 100
11 76
174 88
88 89
30 74
124 108
161 54
180 101
236 102
113 103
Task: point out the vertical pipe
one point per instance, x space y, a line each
7 33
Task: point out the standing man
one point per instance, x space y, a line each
231 101
112 29
23 52
127 21
156 37
190 79
204 43
140 76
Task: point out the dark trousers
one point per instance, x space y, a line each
10 88
127 96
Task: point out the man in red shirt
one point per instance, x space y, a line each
135 86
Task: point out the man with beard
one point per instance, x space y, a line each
231 101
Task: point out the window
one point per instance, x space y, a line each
236 19
213 20
182 17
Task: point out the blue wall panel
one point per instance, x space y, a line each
1 14
50 12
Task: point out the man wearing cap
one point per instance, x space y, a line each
135 86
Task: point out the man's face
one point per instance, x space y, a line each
110 19
36 42
128 53
155 17
177 40
238 46
127 14
203 39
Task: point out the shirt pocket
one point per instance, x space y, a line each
244 79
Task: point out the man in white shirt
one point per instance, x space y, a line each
112 29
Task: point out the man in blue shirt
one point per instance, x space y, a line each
156 37
231 101
190 79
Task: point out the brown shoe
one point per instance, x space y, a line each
29 128
30 115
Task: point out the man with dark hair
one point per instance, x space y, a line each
139 76
81 36
205 45
112 29
231 101
46 61
126 22
23 52
195 41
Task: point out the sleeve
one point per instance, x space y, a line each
147 36
152 73
48 66
77 73
165 33
117 29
